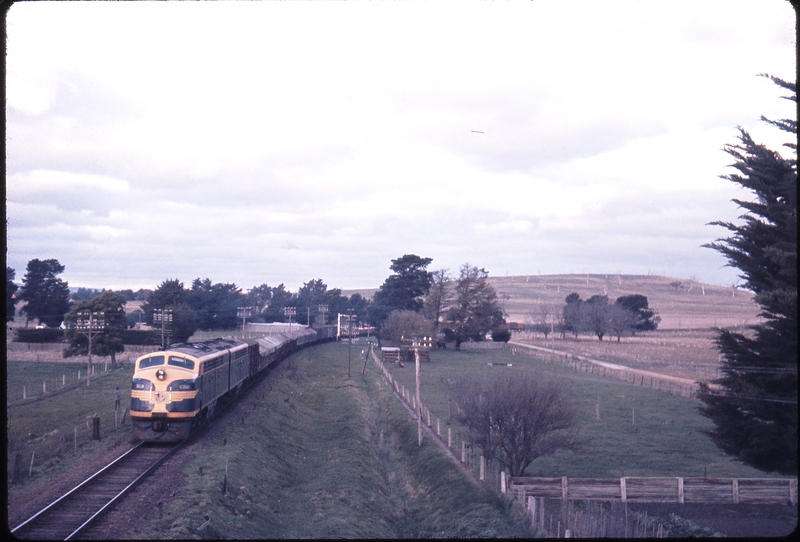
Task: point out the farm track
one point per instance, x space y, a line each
67 517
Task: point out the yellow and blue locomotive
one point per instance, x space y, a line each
175 390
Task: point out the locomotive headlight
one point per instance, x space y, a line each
161 374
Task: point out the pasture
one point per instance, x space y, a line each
641 432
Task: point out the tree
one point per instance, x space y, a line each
595 315
517 418
280 297
621 320
46 295
476 310
572 314
439 297
11 289
315 293
171 295
405 324
646 319
753 405
360 306
107 343
404 290
215 305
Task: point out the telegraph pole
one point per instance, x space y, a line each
244 313
90 324
164 317
415 344
349 339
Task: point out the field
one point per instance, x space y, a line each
309 453
641 432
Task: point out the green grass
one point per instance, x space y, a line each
318 456
667 438
36 427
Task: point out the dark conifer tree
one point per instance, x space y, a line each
754 404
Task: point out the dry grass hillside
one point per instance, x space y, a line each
681 304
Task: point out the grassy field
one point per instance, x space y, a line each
641 432
53 432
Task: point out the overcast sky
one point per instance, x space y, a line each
279 142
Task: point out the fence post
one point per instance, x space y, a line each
463 452
483 466
680 490
735 491
623 490
503 481
449 438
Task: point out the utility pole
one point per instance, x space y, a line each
244 313
350 339
163 317
90 324
415 344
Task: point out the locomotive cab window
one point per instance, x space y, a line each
181 362
151 361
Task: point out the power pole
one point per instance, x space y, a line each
415 344
163 317
244 313
350 339
90 324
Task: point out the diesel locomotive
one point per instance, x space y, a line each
176 390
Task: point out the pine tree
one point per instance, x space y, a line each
47 296
754 404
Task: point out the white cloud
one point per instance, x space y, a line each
274 142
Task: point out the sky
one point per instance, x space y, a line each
280 142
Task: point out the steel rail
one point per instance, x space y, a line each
69 493
86 484
122 493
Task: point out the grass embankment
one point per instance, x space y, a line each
310 454
54 429
641 432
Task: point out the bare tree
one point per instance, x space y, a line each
544 318
439 297
401 324
516 418
621 320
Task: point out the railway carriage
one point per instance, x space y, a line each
175 390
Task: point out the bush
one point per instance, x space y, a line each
47 335
138 337
501 335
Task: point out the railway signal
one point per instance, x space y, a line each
289 312
163 317
244 313
90 324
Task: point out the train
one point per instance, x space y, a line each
176 390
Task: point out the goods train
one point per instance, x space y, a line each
176 390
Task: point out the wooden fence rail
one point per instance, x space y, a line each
660 489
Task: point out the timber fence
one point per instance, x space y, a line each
659 489
467 454
665 383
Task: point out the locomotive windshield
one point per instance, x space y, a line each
181 362
151 361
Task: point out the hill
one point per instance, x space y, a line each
681 303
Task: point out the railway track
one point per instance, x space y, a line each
71 514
